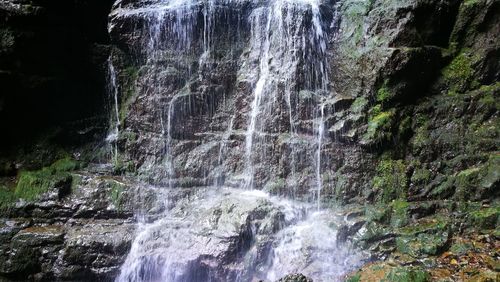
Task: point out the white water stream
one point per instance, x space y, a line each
113 91
223 234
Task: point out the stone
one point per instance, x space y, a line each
295 278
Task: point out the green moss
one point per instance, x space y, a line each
488 100
7 197
466 183
379 125
461 248
116 194
354 15
129 78
355 278
445 189
384 94
490 173
434 224
378 213
400 216
406 274
421 137
374 231
488 94
459 74
359 105
390 180
487 218
31 184
421 176
65 164
423 244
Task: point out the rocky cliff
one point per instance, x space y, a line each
398 70
388 109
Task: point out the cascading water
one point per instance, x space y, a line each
286 48
219 179
320 135
219 233
112 137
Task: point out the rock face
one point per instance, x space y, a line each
408 107
204 103
84 236
52 73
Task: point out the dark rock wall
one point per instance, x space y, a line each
52 73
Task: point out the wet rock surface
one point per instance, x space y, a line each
432 247
233 235
84 235
295 278
394 103
410 140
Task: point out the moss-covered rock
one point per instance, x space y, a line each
379 127
490 177
459 74
423 244
486 218
461 248
116 194
373 232
389 273
429 236
465 183
390 180
31 184
400 215
407 274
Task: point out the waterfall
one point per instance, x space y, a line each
320 135
285 48
112 137
218 233
219 179
259 87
